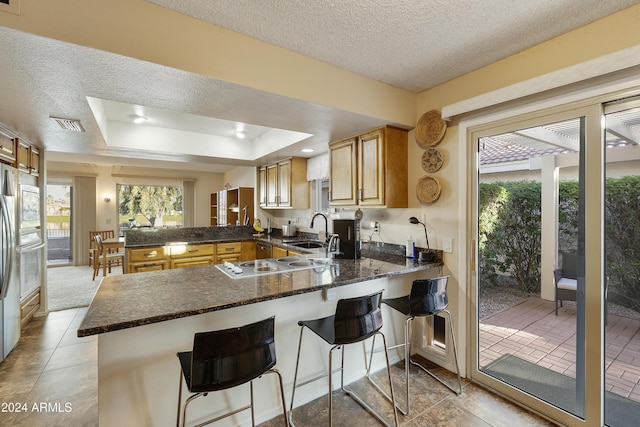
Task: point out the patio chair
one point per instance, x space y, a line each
565 279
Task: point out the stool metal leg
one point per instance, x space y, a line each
408 334
179 398
295 378
350 393
391 398
455 356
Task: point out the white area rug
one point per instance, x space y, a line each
70 287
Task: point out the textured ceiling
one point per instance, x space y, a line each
410 44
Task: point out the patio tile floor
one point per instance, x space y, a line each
531 330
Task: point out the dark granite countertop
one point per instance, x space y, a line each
130 300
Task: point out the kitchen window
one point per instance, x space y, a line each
148 206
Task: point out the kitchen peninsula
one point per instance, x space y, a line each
143 319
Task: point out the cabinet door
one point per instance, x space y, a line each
248 250
7 149
24 156
371 169
35 161
284 183
272 185
262 186
342 180
278 252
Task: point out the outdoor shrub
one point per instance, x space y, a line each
510 232
622 209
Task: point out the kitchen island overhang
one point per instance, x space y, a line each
143 320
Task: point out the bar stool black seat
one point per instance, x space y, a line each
227 358
355 320
428 298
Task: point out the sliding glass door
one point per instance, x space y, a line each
538 278
622 243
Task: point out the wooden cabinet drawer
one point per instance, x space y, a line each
229 248
147 254
190 251
191 262
141 267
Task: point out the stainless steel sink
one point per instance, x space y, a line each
307 244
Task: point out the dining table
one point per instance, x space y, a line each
110 245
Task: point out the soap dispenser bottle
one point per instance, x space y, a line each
411 248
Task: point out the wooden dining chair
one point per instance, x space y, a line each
112 258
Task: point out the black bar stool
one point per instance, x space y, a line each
355 320
428 297
228 358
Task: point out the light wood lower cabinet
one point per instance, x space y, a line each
155 258
228 252
278 252
152 258
185 256
29 306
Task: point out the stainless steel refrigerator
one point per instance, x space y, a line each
9 279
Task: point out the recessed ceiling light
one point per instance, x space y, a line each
137 118
307 150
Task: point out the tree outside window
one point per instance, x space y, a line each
149 206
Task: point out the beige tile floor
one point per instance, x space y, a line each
56 371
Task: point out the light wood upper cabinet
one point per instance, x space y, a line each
27 157
262 186
284 184
7 149
272 186
370 169
24 156
342 174
35 161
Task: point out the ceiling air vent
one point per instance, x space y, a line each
69 124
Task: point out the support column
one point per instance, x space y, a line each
549 230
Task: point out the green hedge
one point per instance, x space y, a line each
509 233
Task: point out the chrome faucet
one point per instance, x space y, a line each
333 247
326 223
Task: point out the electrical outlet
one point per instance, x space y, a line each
376 227
447 245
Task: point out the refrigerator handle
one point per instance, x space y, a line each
8 256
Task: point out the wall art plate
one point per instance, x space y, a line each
430 129
428 189
432 160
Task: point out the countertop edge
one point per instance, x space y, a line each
118 326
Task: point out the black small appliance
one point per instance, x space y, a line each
349 232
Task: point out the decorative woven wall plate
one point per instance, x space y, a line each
431 160
430 129
428 189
